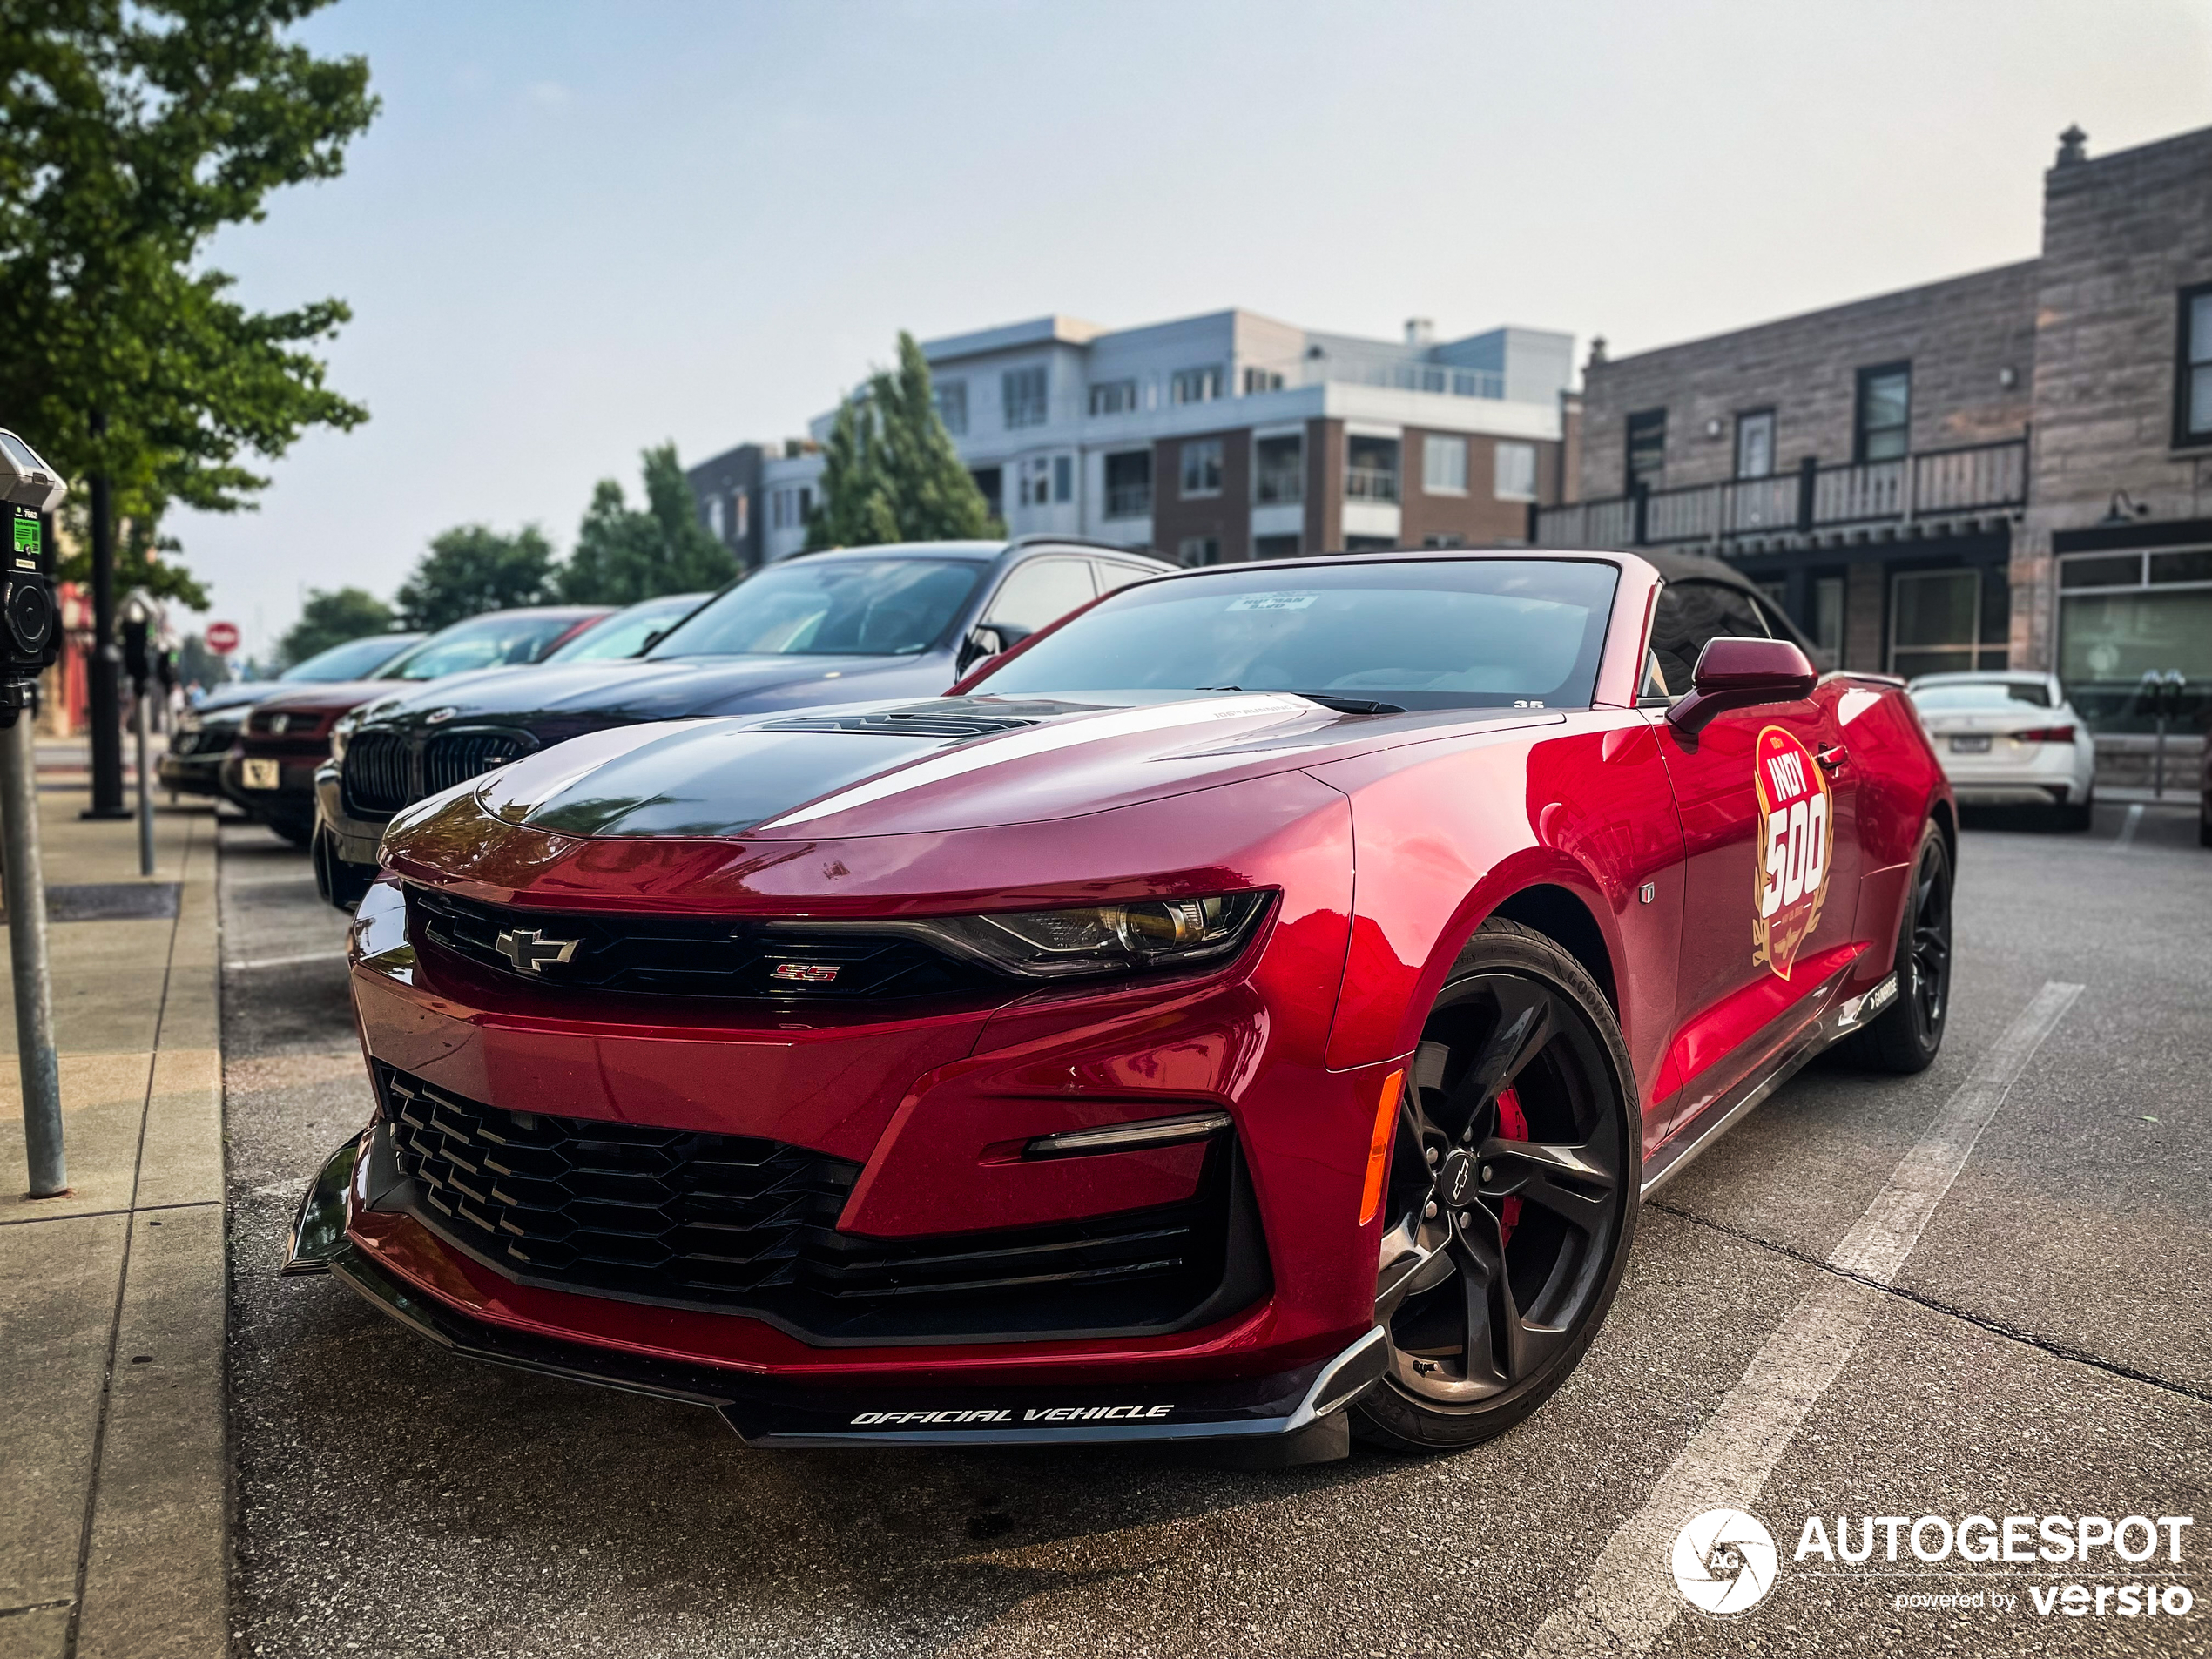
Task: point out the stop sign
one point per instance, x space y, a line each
222 638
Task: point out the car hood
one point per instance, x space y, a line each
561 698
327 694
946 764
236 699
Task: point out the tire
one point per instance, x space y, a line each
298 831
1908 1035
1522 1072
341 884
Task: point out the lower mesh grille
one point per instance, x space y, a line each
745 1225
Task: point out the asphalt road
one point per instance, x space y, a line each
2045 1349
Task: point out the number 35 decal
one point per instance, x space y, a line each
1797 838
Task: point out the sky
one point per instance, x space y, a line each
576 230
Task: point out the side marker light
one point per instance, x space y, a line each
1378 1148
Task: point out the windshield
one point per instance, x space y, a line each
483 641
355 659
831 608
1969 696
1436 634
624 633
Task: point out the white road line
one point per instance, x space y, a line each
2129 826
1630 1597
335 954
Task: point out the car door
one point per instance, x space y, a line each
1770 879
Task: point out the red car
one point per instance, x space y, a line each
1251 1006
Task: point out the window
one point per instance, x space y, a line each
1445 539
1444 466
1128 484
1021 393
1063 477
1262 379
992 482
1688 615
1113 397
1198 549
829 607
1034 487
788 508
1275 547
1040 591
1422 633
714 516
1371 469
1514 472
1755 444
951 398
1278 470
1197 384
1884 412
744 503
1112 574
1647 449
1828 617
1202 466
1935 616
2192 384
2124 615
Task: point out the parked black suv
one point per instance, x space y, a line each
900 621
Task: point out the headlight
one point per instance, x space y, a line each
338 733
1085 938
188 722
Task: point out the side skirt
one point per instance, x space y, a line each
1834 1023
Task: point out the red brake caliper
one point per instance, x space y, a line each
1512 1125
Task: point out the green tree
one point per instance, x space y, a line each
196 665
889 470
128 136
333 618
623 555
472 568
140 549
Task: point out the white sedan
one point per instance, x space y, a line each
2009 740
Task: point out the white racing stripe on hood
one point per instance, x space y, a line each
1043 739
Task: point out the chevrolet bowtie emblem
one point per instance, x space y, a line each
530 950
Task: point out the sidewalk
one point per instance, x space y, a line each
112 1487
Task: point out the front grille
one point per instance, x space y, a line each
208 740
745 1224
713 956
378 774
386 770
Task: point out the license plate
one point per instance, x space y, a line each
267 774
1969 745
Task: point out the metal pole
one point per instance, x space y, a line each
145 789
25 887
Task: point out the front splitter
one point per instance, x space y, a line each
767 1412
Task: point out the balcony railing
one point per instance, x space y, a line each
1939 483
1279 486
1127 501
1370 483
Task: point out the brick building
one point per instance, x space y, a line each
1222 437
1922 477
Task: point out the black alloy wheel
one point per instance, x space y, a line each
1908 1035
1511 1199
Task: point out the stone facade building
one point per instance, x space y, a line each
1918 477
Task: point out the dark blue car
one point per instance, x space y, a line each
841 627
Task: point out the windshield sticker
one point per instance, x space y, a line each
1791 879
1273 602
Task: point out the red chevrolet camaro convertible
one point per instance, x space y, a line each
1252 1008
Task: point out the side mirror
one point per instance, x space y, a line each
987 640
1739 674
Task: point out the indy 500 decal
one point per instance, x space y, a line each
1795 839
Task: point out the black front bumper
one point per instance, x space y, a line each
1305 1403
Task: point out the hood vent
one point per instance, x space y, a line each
924 722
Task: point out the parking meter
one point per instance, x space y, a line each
29 638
